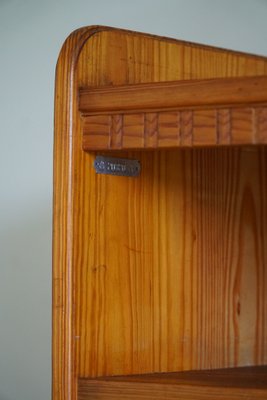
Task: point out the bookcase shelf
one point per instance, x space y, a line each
159 277
224 384
190 113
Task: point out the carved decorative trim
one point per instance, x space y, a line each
185 128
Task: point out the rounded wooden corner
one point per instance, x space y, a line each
72 45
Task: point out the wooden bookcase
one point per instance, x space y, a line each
159 280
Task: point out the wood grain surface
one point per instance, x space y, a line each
207 112
173 275
172 95
187 128
226 384
165 272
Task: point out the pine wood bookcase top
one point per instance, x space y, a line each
159 279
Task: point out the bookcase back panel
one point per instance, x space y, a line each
171 266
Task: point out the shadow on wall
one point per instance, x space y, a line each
25 311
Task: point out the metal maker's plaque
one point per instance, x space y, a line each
117 166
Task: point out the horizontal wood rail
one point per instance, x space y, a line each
174 95
233 383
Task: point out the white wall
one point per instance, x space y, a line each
31 34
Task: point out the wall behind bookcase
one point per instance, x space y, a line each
31 34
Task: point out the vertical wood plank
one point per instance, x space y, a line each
224 127
186 118
151 130
116 132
